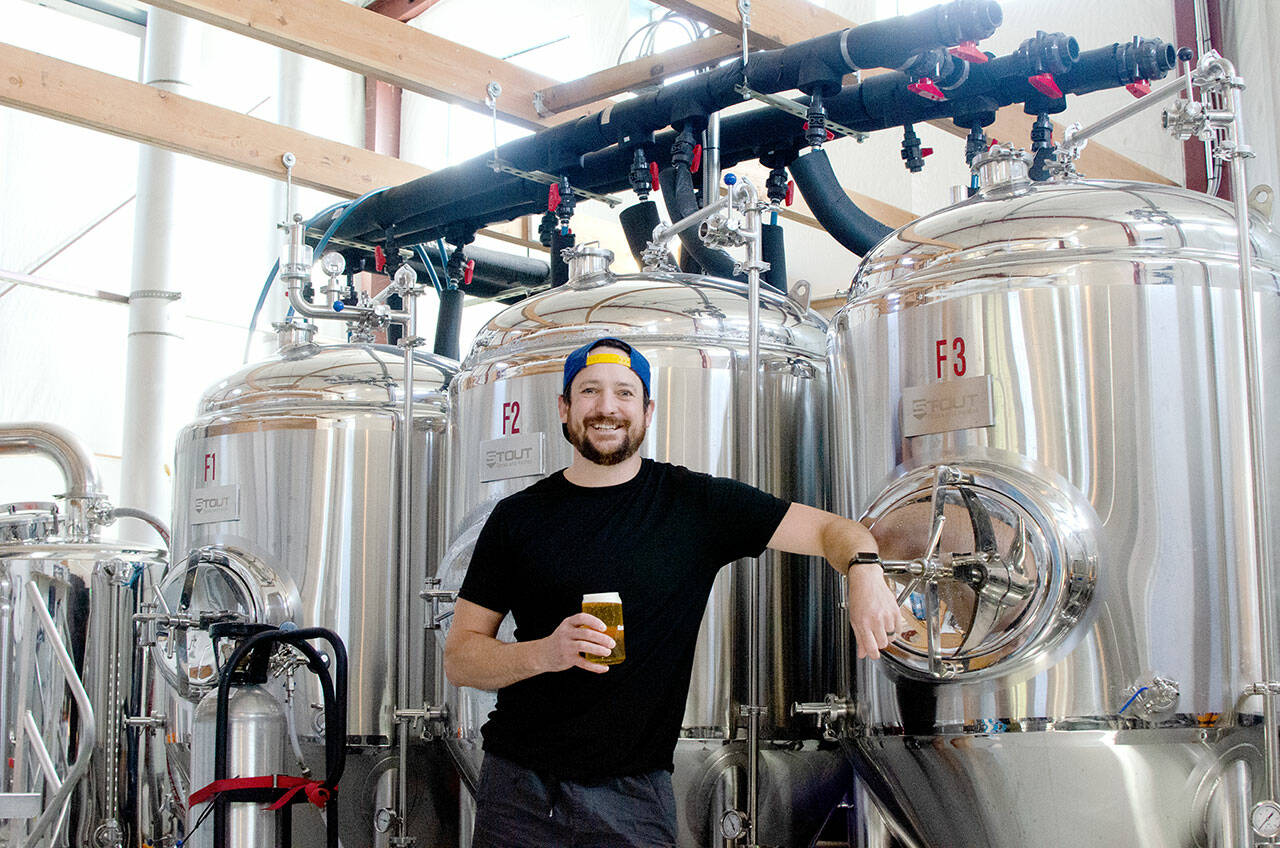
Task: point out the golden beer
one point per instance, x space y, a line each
607 606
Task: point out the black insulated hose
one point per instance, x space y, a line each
682 201
449 323
854 229
560 268
774 251
638 223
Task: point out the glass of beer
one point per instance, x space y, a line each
607 606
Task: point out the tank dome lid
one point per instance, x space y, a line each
327 375
648 308
1039 229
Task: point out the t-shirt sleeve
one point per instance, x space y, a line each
487 582
744 518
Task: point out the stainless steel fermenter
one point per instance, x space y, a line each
287 509
505 434
1038 399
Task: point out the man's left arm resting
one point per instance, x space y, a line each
873 608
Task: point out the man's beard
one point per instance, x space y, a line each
632 438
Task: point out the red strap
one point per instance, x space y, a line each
317 794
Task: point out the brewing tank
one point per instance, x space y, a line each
505 434
287 508
74 696
1039 402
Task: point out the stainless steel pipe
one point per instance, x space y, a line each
84 489
1257 437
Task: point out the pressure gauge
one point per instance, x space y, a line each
384 819
733 824
1265 819
333 263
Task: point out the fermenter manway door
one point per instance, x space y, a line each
992 568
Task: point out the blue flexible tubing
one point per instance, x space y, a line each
1132 698
350 207
425 260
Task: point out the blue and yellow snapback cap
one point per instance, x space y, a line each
620 353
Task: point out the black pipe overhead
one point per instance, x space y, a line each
881 102
470 190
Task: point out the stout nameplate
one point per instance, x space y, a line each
511 456
215 503
961 404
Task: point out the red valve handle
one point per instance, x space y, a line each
553 197
1046 85
653 176
830 134
1139 88
968 50
379 258
926 151
697 159
791 192
927 89
468 271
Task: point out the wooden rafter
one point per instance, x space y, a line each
631 75
774 23
50 87
373 45
401 10
777 23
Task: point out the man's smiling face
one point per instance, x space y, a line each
606 416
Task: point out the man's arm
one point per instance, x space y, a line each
473 655
873 608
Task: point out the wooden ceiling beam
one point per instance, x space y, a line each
374 45
774 23
649 70
402 10
38 84
777 23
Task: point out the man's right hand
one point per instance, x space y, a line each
580 632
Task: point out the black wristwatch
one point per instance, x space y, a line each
865 558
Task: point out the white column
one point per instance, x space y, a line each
169 54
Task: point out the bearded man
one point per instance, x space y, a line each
578 753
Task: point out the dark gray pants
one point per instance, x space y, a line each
518 808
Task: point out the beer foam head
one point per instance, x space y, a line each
602 598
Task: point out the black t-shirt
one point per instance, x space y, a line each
658 540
